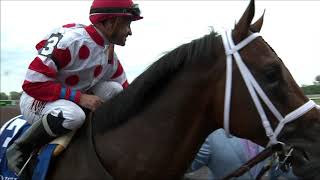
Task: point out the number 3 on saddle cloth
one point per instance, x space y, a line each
12 130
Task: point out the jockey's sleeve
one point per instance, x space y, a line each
41 83
119 74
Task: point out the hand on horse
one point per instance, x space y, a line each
91 102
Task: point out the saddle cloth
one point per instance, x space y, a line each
9 132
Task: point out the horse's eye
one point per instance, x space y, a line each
272 76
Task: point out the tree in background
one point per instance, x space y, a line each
317 80
15 95
312 89
3 96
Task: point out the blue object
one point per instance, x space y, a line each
12 130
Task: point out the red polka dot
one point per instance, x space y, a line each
72 80
69 25
62 57
84 52
97 71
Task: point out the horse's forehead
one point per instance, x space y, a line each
260 53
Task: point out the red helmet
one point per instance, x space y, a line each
104 9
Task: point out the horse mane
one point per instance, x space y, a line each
148 85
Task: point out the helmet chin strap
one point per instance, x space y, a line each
114 27
109 28
232 53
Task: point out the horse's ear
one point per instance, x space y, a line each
242 27
256 27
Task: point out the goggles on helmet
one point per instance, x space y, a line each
134 10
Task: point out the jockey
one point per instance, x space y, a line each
75 68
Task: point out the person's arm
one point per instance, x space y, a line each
40 81
202 157
119 75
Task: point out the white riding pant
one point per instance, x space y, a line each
33 110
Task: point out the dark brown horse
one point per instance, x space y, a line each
152 130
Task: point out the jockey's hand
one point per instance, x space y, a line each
91 102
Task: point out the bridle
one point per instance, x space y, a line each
255 90
281 151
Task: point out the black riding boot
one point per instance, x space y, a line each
35 137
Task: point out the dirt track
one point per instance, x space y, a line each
7 113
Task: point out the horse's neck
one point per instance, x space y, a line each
160 142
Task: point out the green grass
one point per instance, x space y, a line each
317 101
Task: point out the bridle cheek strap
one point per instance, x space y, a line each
232 51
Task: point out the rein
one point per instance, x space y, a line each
280 151
254 161
93 150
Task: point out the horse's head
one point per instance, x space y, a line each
261 84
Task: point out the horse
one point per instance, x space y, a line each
154 128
